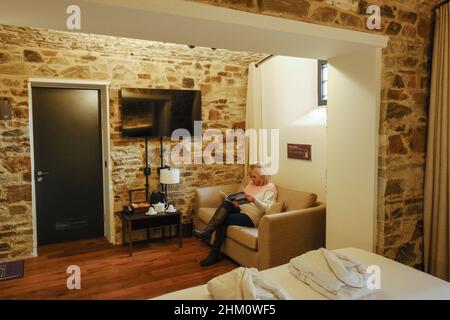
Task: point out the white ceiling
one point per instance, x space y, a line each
187 22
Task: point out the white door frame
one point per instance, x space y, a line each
103 87
354 86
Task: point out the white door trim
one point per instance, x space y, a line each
103 86
353 150
202 24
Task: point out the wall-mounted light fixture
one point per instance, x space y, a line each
5 109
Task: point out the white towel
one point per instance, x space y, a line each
333 275
245 284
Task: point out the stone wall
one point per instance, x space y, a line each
404 99
26 52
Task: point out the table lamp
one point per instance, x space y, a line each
168 176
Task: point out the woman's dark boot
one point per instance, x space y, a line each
217 219
212 258
214 255
202 235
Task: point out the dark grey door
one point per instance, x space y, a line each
68 164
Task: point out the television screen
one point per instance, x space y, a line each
158 112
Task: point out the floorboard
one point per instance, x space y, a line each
107 272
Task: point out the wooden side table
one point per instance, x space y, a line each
139 221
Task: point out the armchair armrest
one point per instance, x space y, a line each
283 236
208 197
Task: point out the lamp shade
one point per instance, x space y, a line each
169 176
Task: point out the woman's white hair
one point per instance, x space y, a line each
259 169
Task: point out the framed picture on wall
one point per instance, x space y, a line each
299 151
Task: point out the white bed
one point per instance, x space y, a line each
397 282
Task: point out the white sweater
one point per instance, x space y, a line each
264 196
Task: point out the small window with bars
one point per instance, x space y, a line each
322 82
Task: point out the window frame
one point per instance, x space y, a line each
320 64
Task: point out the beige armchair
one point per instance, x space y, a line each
278 237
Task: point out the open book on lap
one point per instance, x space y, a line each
238 196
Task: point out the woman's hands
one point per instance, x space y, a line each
250 198
235 203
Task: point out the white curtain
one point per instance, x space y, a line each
253 117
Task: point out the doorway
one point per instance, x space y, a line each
162 20
70 196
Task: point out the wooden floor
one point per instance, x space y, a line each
107 272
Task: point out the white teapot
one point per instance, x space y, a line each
160 207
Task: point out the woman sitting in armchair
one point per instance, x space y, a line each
260 194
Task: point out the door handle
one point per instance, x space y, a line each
41 173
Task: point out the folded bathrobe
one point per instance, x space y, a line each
245 284
334 275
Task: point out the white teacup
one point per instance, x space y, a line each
171 208
151 211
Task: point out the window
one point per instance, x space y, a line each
322 82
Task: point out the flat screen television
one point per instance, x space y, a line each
158 112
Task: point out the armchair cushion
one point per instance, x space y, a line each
246 236
205 214
296 200
275 208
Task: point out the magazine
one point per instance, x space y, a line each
240 197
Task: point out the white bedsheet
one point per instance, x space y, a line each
397 282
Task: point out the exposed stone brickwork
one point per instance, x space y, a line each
26 52
404 98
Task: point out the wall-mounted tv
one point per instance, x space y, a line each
158 112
